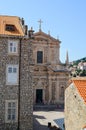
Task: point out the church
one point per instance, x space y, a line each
50 76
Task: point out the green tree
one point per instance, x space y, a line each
83 73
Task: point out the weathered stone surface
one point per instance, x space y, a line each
50 71
11 92
49 78
75 109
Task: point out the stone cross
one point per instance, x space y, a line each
40 22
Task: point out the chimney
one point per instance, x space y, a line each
22 20
26 29
31 35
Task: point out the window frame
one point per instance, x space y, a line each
6 111
10 27
41 57
12 67
13 47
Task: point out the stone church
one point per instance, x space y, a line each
49 74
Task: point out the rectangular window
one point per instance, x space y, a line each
12 74
12 46
11 110
9 27
39 57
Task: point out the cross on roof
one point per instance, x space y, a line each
40 22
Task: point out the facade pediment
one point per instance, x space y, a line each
46 37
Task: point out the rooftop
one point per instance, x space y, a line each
11 25
80 84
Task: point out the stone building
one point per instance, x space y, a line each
75 105
50 75
16 93
22 54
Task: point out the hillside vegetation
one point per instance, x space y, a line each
78 61
78 67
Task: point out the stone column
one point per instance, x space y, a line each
48 55
43 95
50 93
57 90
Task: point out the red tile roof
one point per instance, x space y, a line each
11 20
81 87
84 126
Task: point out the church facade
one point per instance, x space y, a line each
49 74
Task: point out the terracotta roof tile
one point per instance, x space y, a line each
84 127
11 20
81 87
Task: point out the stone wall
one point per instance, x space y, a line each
11 92
7 92
26 90
75 109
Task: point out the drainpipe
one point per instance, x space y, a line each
19 87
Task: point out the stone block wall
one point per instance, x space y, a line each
75 109
26 91
7 92
11 92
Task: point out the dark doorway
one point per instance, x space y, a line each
39 95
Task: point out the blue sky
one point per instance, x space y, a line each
65 19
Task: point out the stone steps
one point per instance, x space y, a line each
47 107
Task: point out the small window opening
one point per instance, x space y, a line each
9 27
